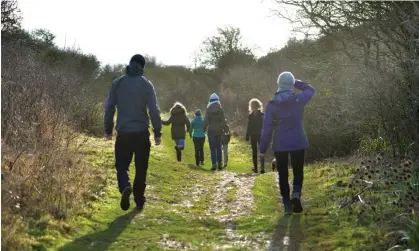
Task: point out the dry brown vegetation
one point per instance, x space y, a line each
385 190
46 108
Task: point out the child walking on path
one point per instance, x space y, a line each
284 120
198 135
225 140
254 129
179 121
214 123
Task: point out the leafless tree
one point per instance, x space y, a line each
10 15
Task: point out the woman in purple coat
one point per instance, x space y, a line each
284 121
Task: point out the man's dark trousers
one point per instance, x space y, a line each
127 144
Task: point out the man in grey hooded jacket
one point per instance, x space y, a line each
132 94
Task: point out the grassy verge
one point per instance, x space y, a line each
322 226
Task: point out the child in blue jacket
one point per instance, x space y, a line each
198 135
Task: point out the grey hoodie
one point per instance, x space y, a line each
132 94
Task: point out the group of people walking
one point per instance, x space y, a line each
214 124
135 98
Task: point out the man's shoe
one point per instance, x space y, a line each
288 208
140 206
262 171
255 169
125 198
214 167
220 167
225 164
296 204
202 163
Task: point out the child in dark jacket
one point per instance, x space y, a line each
198 135
179 121
225 140
254 129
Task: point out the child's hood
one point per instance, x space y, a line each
214 108
198 119
178 109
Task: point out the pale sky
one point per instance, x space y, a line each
171 30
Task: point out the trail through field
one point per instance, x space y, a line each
193 208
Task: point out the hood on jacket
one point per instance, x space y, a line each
214 107
284 96
178 108
198 118
216 102
134 69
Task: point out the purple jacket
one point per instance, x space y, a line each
284 119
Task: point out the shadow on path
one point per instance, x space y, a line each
291 241
198 168
104 239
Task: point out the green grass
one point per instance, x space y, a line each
102 225
231 194
322 226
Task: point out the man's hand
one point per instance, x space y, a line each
157 140
108 137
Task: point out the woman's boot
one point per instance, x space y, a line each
255 164
262 164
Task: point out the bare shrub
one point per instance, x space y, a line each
42 171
